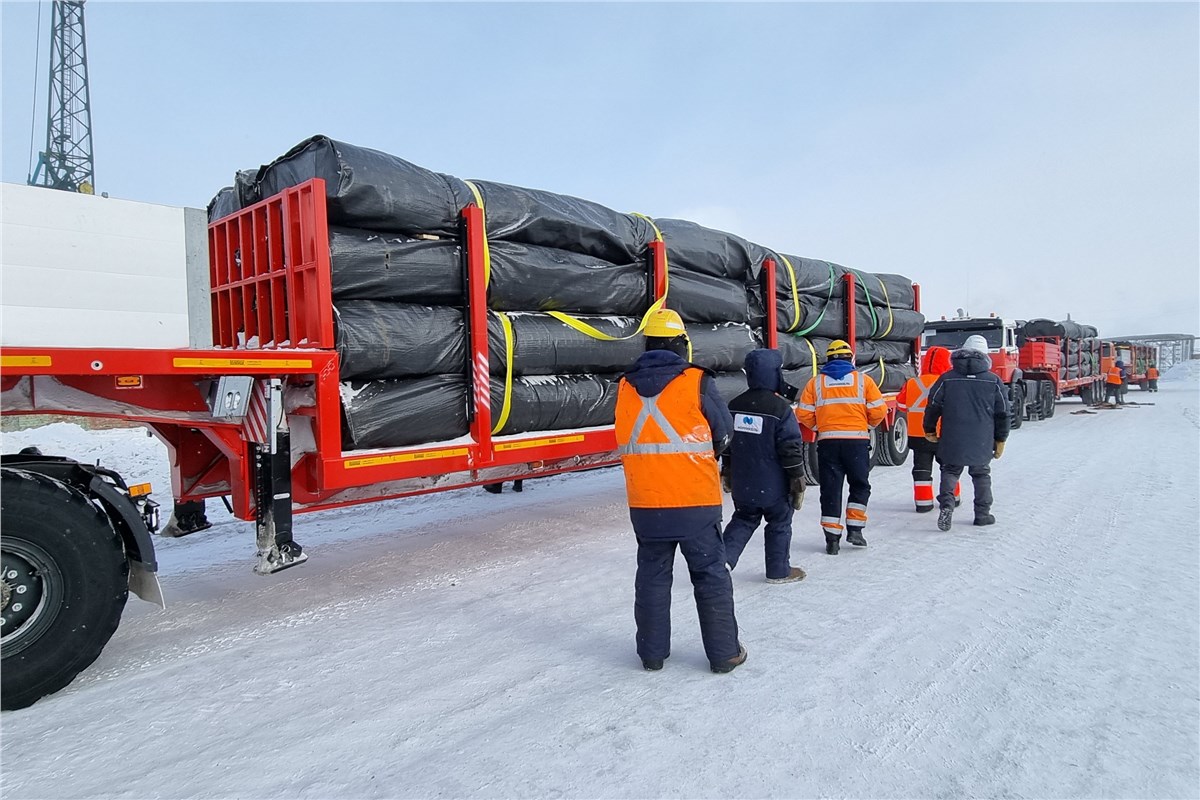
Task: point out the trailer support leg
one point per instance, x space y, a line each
273 466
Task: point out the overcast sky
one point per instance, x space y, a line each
1035 160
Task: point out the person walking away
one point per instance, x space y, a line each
911 402
842 405
671 427
1152 378
971 405
1113 380
763 467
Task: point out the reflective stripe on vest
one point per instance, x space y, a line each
666 445
916 410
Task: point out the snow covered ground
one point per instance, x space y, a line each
470 645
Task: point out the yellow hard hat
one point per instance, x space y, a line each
665 323
838 348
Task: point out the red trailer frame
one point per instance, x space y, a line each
272 315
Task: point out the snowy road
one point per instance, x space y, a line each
471 645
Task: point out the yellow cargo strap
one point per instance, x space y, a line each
795 294
487 252
882 373
891 314
812 350
506 406
595 333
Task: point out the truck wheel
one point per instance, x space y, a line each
64 580
891 445
1048 404
812 473
1018 407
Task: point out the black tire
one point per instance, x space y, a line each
62 553
1049 403
811 469
1018 407
891 444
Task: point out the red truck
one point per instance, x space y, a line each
1040 361
1137 358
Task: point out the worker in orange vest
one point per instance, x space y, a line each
911 402
1152 378
671 428
1114 381
842 405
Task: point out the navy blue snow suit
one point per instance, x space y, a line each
972 404
766 454
696 531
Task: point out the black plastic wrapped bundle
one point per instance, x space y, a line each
537 217
223 204
696 248
378 340
722 347
889 377
827 319
398 413
702 298
729 384
543 345
556 402
368 265
366 188
797 353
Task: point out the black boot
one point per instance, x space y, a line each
985 519
855 537
833 542
493 488
945 516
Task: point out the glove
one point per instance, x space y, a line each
999 451
796 492
726 484
932 437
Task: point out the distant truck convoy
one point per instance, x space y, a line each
1042 361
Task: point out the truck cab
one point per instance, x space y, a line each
1001 337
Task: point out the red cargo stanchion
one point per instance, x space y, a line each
770 326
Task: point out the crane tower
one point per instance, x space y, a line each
67 162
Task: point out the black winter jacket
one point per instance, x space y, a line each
972 403
767 448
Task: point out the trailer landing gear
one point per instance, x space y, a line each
273 496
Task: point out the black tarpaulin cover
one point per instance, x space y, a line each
827 319
696 248
368 265
702 298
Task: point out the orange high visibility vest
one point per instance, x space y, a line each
666 446
1152 374
841 409
914 397
1114 376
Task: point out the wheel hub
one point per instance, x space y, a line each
20 593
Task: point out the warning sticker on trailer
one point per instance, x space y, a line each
401 458
25 361
250 363
528 443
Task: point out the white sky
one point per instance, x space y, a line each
1027 159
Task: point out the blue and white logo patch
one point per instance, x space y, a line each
747 423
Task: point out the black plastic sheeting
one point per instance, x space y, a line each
796 353
378 340
826 319
369 189
729 384
537 217
223 204
367 265
824 279
398 413
696 248
1068 328
702 298
394 340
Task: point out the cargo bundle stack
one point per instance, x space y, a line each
569 283
1079 345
